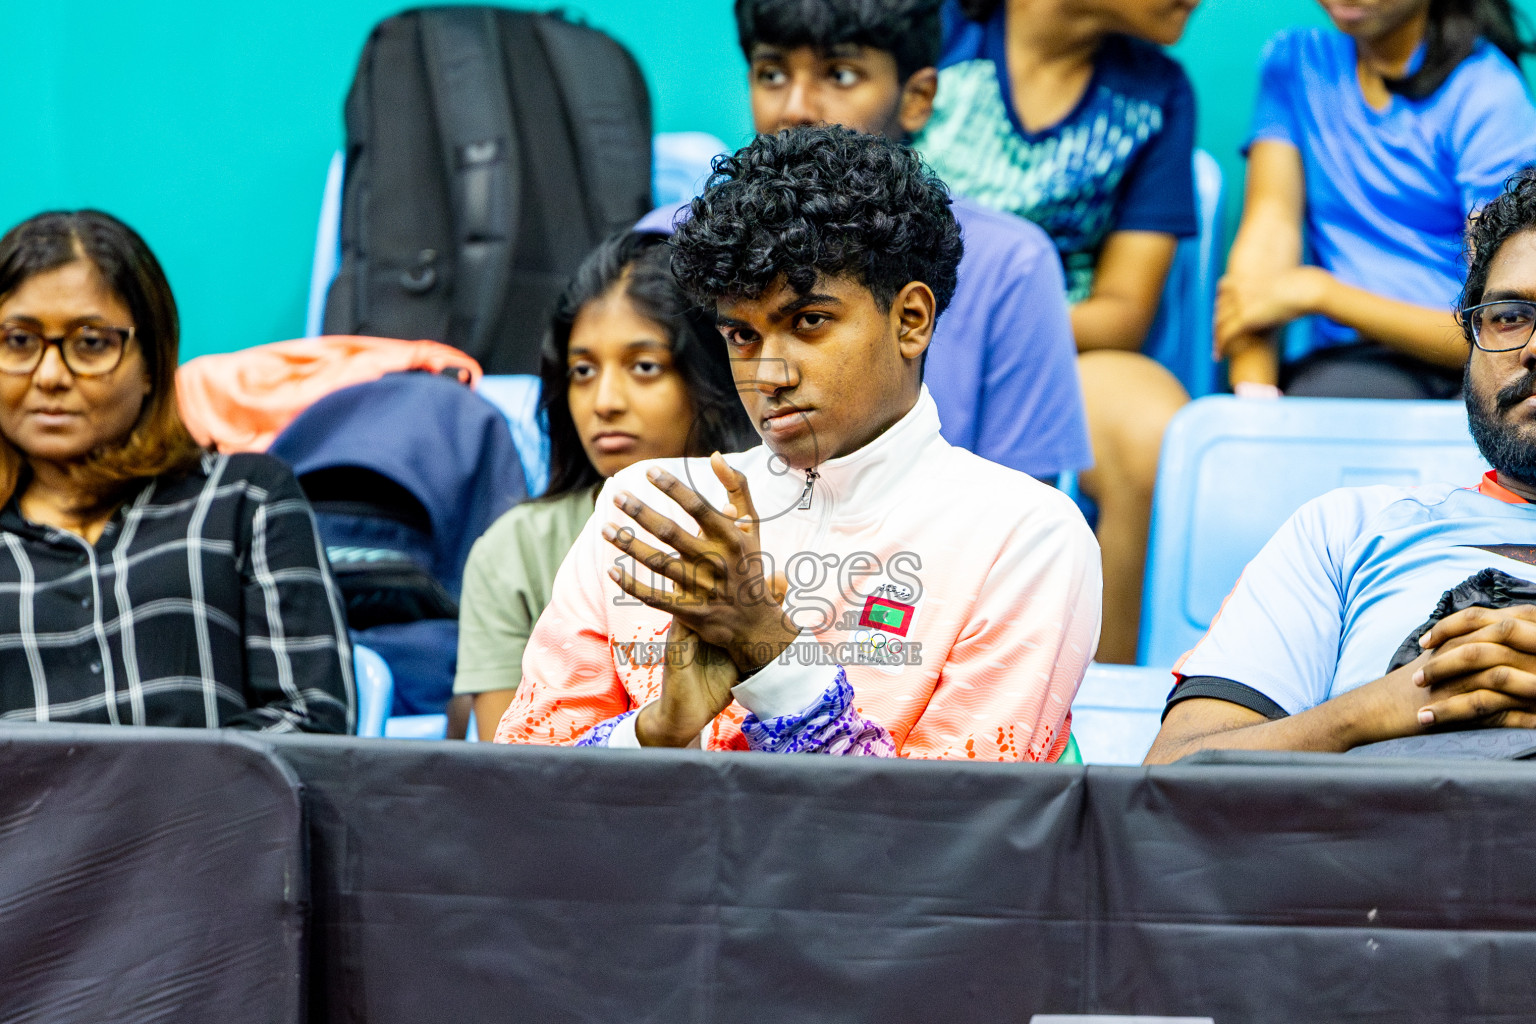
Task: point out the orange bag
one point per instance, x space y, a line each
241 401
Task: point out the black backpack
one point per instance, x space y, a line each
488 151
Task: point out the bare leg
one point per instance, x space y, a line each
1129 400
489 707
458 709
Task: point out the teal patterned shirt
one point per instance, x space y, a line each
1120 161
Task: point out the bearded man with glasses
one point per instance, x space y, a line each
1378 613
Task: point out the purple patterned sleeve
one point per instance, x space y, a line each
828 726
597 736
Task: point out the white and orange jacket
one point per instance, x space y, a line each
949 607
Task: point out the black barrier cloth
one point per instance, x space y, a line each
479 883
466 882
148 875
1300 888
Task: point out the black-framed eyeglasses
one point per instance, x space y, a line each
88 350
1502 326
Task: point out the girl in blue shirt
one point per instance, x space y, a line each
1371 145
1068 113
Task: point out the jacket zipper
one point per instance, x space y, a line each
805 495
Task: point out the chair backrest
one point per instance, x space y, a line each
375 690
327 258
1180 337
416 727
681 162
1117 712
1233 470
517 396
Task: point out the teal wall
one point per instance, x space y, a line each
208 126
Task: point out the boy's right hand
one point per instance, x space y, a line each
696 686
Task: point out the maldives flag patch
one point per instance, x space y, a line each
891 616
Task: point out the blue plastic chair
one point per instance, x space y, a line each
1181 336
327 258
375 690
1233 470
375 697
416 727
517 396
680 164
1117 712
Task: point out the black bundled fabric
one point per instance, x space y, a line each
468 882
488 151
1489 588
1463 744
148 875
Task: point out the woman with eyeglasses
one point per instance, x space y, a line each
1372 143
142 580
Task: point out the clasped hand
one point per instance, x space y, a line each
728 618
1481 670
1248 305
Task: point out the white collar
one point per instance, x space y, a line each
854 480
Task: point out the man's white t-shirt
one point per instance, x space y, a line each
1328 601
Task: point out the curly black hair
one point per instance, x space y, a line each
909 30
818 201
1512 212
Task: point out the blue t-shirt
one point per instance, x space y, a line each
1328 601
1120 161
1388 191
1002 366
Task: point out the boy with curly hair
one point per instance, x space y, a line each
855 585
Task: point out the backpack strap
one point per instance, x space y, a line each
467 83
608 111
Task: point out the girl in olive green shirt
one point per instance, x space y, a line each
630 371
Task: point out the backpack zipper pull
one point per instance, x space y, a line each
805 495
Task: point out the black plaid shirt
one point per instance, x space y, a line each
207 601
